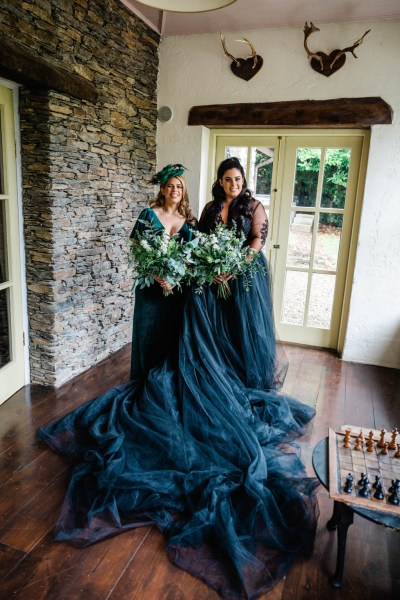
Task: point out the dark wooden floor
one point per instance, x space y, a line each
133 566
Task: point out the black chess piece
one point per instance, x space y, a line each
379 495
394 498
395 486
364 479
348 486
364 492
376 482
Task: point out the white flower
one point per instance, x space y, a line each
164 244
145 244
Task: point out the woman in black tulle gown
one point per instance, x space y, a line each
201 448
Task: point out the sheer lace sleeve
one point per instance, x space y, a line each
259 227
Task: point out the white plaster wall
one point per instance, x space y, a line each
194 71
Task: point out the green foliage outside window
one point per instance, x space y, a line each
336 172
264 174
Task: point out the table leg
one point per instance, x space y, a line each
342 518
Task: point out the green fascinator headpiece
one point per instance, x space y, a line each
168 172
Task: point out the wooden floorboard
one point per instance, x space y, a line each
309 578
55 571
385 392
134 565
9 559
358 408
33 406
32 520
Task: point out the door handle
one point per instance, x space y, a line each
276 246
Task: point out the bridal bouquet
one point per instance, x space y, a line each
221 252
156 254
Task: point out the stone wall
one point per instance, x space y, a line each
85 169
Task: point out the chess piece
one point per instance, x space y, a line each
364 492
364 479
384 450
348 486
394 498
346 441
395 484
379 495
370 442
376 482
381 439
392 443
359 441
397 454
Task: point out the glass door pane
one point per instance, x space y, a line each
336 173
327 243
261 174
3 244
1 163
294 297
308 164
300 239
5 349
322 291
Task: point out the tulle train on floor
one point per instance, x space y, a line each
202 448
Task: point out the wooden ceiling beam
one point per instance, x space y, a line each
337 113
20 65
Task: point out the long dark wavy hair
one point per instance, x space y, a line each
243 204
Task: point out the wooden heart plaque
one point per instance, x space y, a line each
327 60
246 69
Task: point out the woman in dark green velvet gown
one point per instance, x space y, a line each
157 318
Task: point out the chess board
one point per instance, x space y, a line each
343 461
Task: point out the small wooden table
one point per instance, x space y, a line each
343 512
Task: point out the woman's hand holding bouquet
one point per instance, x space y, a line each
219 257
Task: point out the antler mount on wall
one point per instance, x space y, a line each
245 68
327 64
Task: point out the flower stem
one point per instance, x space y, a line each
223 290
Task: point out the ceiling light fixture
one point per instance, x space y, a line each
187 6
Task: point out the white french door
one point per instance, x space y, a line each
11 315
309 185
